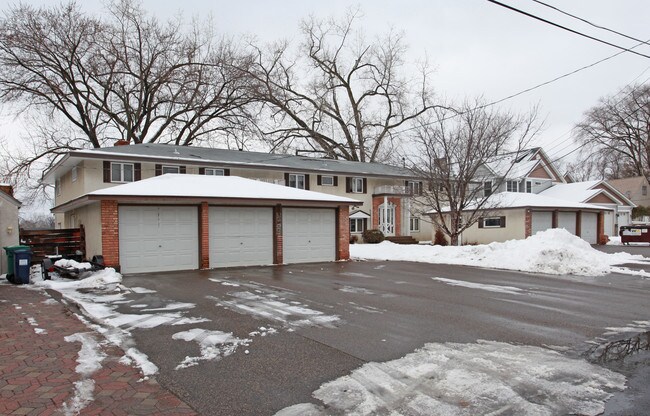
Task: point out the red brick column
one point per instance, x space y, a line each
528 223
343 233
204 236
554 220
278 245
110 233
579 223
600 227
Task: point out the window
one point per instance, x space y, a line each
414 224
170 169
357 185
73 174
296 181
57 186
512 186
357 225
214 172
529 187
644 190
487 188
121 172
327 180
492 222
414 187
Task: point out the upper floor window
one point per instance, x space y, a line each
327 180
296 180
414 187
356 185
170 169
487 188
644 190
57 187
512 186
73 174
121 172
215 172
529 187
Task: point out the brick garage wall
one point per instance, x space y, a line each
278 253
204 236
528 223
343 233
110 233
377 201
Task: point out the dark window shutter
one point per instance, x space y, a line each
107 171
182 169
286 179
420 187
503 222
336 181
319 179
158 170
201 171
226 172
365 185
365 224
137 171
348 184
307 182
480 222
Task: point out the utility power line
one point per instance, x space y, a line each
541 19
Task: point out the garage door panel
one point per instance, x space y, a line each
567 220
542 221
588 227
309 235
158 238
240 236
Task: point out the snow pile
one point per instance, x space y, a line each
554 251
73 264
96 280
213 344
89 361
469 379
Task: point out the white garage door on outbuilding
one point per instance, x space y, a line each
542 221
567 220
158 238
308 235
241 236
589 227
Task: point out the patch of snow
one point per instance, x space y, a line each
66 263
89 361
50 301
263 331
490 288
172 307
554 251
189 320
213 344
139 305
98 279
356 290
273 308
40 331
147 367
614 241
635 327
82 397
468 379
141 290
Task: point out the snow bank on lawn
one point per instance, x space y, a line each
469 379
554 251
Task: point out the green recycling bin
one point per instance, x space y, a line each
10 259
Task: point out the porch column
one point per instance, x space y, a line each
382 226
110 233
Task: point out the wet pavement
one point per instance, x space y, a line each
331 318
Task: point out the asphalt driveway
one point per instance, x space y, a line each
309 324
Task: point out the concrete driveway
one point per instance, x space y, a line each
309 324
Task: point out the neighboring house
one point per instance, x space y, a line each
8 222
636 189
599 193
383 194
528 194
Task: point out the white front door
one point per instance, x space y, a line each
240 236
387 219
308 235
158 238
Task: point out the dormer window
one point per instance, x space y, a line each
487 188
512 186
529 187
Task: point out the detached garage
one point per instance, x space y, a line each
185 222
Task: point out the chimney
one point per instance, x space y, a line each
121 142
7 189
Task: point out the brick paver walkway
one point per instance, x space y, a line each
37 369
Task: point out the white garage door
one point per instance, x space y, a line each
567 220
308 235
241 236
588 227
155 239
542 221
609 223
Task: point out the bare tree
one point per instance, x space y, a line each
458 151
340 95
615 133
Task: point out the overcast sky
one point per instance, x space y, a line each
476 47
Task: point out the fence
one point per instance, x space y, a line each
66 242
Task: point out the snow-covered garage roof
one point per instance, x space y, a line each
206 187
